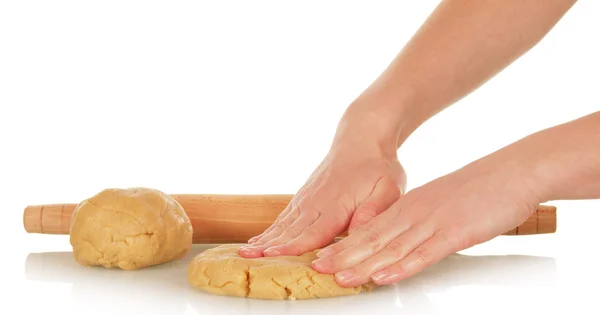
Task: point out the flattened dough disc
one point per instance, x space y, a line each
220 270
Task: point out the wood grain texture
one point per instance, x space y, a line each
219 219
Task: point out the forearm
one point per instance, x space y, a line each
561 162
459 47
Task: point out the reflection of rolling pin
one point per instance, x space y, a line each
234 218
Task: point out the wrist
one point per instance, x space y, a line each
507 174
531 161
563 162
380 117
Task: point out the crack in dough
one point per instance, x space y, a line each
220 270
247 282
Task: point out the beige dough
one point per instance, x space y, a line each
129 229
222 271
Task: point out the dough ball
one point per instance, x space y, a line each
220 270
129 229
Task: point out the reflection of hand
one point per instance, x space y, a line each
464 208
347 189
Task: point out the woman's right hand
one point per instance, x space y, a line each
345 191
359 178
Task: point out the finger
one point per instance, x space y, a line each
280 226
357 236
253 239
340 245
281 215
292 232
319 234
363 231
365 242
256 249
256 238
425 255
292 205
385 193
394 251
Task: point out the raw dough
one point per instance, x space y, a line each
129 229
220 270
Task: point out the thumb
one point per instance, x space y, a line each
384 194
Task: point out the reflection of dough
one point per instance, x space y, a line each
222 271
129 229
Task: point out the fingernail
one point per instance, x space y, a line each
250 252
271 252
325 253
248 249
383 278
252 240
319 264
379 276
345 276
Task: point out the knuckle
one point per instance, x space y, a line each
280 227
459 242
294 211
292 231
396 248
369 208
337 247
314 231
374 239
423 256
455 239
314 215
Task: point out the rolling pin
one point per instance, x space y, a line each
218 219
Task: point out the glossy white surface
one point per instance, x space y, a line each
540 274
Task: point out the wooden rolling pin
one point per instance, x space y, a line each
218 219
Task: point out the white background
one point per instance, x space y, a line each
244 97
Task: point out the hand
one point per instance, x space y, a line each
457 211
347 189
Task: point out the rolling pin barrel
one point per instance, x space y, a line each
218 219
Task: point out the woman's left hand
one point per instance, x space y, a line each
469 206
